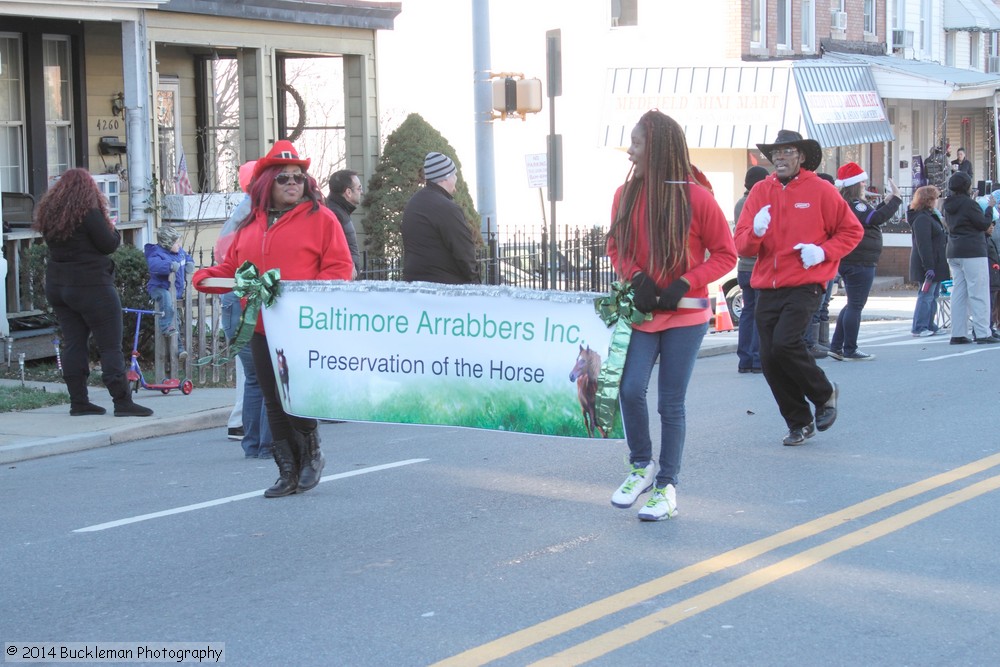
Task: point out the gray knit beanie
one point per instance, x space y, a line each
438 167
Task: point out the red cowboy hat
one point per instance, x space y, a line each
282 153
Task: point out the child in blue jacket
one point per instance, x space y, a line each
162 258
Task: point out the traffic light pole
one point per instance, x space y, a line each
553 66
485 169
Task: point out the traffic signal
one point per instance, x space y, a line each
513 96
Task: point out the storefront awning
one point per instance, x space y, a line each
742 105
898 78
971 15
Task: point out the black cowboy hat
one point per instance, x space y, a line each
810 148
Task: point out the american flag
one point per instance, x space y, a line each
182 180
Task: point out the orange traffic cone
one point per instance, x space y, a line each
723 321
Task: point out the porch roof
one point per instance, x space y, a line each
899 78
333 13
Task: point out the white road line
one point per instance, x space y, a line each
977 350
231 499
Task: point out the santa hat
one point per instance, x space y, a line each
849 174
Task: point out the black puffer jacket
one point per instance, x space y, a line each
930 240
967 225
871 218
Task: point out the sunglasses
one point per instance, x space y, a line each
283 179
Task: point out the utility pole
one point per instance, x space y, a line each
485 170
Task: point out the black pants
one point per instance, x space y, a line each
82 310
282 424
782 316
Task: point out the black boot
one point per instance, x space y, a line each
824 333
288 470
311 459
79 399
121 394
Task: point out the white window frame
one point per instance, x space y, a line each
975 51
870 17
13 177
760 6
808 31
619 8
58 124
784 37
222 145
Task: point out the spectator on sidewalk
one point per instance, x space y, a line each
928 264
344 198
73 220
165 259
967 259
438 245
748 344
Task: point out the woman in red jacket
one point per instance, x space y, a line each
288 229
664 225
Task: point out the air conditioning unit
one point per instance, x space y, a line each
902 39
838 20
993 64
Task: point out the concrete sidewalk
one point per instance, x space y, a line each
48 431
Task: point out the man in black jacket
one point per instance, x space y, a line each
438 245
344 197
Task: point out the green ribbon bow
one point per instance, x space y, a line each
617 309
260 291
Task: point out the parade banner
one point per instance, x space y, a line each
496 358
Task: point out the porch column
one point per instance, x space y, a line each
136 73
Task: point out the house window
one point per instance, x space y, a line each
221 133
870 17
808 26
949 48
758 24
11 115
624 13
784 26
313 111
58 86
974 51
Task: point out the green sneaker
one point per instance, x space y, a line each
639 480
661 505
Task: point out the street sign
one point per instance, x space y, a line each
538 170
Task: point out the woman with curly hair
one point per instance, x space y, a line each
287 229
668 237
80 286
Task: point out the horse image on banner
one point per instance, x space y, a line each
448 355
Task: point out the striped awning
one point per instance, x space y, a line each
742 105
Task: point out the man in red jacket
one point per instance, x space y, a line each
799 228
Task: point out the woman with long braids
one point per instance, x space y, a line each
80 286
287 229
669 238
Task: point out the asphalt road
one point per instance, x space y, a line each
874 544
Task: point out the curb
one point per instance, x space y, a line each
65 444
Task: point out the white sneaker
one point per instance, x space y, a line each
661 505
639 481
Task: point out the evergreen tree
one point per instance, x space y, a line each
397 177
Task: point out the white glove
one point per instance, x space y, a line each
811 254
762 220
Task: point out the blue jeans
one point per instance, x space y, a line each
747 342
256 429
163 303
677 350
926 309
858 281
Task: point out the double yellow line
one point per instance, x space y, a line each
643 627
